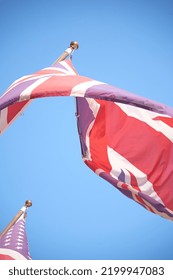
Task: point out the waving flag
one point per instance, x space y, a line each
126 139
14 244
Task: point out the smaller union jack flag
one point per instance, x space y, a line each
14 244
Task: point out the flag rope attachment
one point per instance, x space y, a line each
28 203
69 51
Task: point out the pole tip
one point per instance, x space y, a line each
74 45
28 203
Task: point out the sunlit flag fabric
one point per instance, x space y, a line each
125 139
14 244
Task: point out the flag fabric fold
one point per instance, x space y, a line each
125 138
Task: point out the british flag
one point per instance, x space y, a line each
126 139
14 243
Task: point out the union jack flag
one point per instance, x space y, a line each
125 139
14 244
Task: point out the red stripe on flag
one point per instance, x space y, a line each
166 120
98 144
133 181
142 202
14 109
6 257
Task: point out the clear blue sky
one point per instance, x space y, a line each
76 214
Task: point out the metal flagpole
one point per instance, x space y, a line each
28 203
73 46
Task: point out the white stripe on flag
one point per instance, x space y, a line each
147 117
94 106
59 71
80 89
3 119
26 93
13 254
68 70
119 164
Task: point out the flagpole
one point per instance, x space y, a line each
73 46
28 203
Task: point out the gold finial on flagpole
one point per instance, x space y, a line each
74 45
28 203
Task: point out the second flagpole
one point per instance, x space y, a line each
28 203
